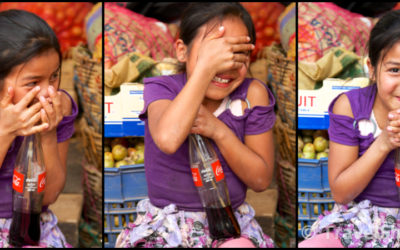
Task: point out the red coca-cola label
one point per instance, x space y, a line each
397 176
218 172
196 177
41 182
18 181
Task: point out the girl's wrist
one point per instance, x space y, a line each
382 145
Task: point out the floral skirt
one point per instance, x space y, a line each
170 227
50 234
361 225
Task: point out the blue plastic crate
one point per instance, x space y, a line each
313 174
117 216
310 206
123 188
126 182
325 180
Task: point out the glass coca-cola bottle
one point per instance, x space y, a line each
28 185
397 169
208 178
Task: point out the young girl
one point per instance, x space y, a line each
30 103
212 98
364 135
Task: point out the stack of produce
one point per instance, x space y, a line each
65 18
123 151
313 144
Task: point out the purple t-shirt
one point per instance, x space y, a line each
381 190
169 178
65 130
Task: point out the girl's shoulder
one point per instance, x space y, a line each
356 102
255 91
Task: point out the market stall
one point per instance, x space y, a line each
139 43
332 51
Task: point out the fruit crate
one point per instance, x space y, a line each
313 174
310 206
124 187
314 196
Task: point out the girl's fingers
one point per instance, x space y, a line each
238 39
240 57
28 98
47 107
44 117
242 47
218 34
8 97
39 128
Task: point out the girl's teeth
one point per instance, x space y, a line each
218 79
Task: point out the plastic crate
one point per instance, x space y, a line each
118 215
313 174
310 206
124 187
314 196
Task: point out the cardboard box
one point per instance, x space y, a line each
313 104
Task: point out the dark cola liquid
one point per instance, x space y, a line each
25 229
222 223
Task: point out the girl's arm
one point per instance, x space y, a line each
55 158
170 121
348 174
253 161
55 154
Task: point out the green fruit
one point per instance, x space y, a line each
139 156
308 155
108 164
139 146
322 155
300 155
307 139
108 156
320 144
119 152
309 147
121 163
300 144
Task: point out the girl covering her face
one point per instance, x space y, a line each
32 103
213 98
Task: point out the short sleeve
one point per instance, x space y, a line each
341 128
158 88
261 118
65 128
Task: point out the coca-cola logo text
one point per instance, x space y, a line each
42 182
18 181
218 172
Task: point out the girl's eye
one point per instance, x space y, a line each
54 77
395 70
31 84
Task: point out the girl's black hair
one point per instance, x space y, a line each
23 35
384 35
198 14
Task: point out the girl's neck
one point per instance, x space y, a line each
211 105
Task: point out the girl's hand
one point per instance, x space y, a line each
53 110
220 54
206 124
392 131
19 119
